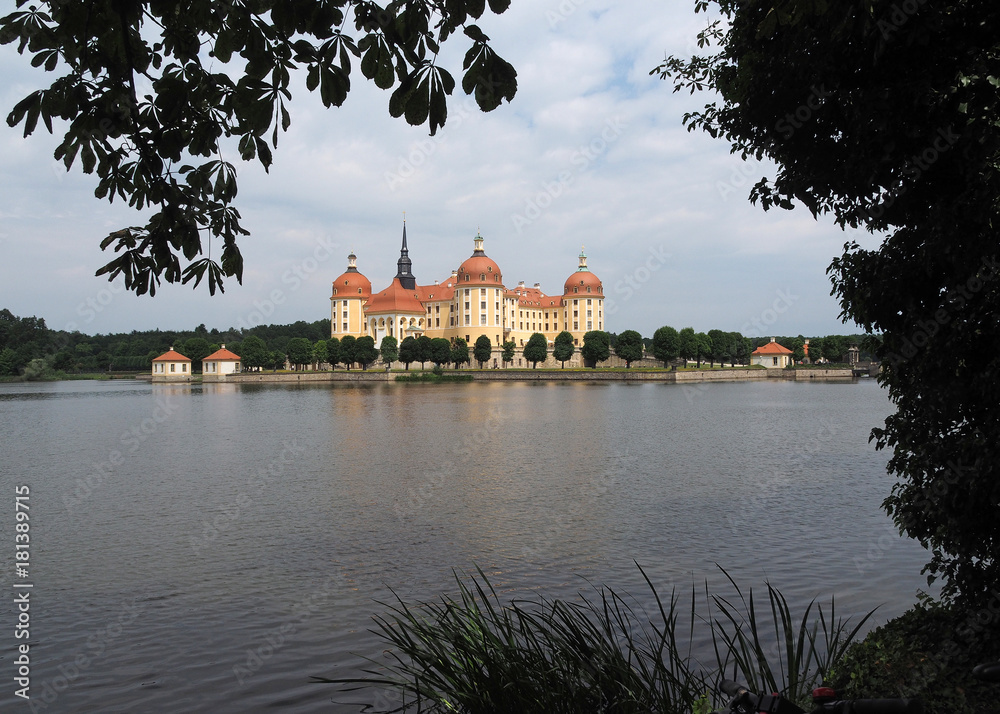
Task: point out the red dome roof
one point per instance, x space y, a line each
581 280
348 285
479 268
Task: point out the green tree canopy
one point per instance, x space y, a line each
596 347
703 347
253 353
365 352
389 349
536 349
348 350
196 349
319 353
214 71
408 351
882 115
299 351
563 347
509 348
687 345
483 350
460 352
423 350
440 351
333 352
629 347
666 342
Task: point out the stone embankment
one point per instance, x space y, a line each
523 375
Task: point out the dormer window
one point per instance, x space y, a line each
588 288
482 276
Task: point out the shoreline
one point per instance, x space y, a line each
528 375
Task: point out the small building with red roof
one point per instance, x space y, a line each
772 355
171 366
219 365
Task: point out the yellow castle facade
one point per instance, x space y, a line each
472 301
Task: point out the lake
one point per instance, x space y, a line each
208 548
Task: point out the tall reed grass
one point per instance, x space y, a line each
477 654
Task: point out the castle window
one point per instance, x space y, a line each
482 276
467 277
482 319
588 288
345 327
489 268
576 290
588 301
359 291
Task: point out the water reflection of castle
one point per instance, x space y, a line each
473 301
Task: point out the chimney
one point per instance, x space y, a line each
223 346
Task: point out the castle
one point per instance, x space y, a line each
473 301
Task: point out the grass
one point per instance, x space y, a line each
478 654
433 377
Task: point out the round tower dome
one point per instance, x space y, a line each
583 281
352 283
479 269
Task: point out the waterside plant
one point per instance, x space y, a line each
478 653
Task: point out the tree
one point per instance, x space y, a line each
883 118
483 350
215 71
365 352
408 352
460 352
423 350
563 347
687 346
197 349
629 347
596 347
389 350
536 350
440 351
720 346
253 353
333 352
275 360
509 347
703 347
319 354
299 351
666 343
348 347
741 348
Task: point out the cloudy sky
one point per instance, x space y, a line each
591 153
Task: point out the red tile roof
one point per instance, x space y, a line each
395 299
222 355
772 348
171 356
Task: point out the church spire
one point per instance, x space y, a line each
403 265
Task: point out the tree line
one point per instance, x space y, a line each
304 344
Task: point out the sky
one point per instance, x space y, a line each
591 154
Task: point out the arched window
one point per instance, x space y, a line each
467 277
588 288
482 277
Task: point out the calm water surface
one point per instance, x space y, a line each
209 548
